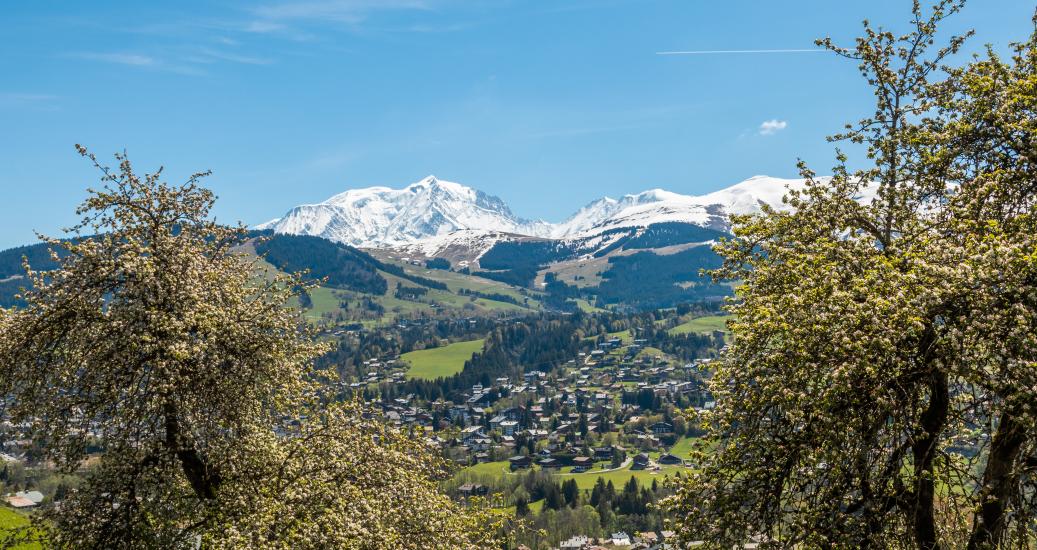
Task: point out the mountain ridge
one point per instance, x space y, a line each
432 214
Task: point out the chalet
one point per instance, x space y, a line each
549 463
479 443
18 502
472 490
583 461
667 458
481 398
603 453
648 539
24 499
620 539
537 435
578 542
512 413
459 411
509 427
35 496
471 433
641 461
662 428
564 428
520 461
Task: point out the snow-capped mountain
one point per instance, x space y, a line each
432 215
659 206
378 217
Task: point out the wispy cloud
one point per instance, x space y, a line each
342 11
262 27
771 127
208 55
44 102
187 61
141 61
718 52
134 59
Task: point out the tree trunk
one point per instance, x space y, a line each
204 480
998 477
924 451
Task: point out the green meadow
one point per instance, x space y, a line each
700 325
9 520
430 364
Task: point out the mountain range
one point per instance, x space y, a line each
443 244
435 217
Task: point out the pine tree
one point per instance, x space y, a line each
521 507
571 491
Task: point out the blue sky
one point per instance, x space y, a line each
547 104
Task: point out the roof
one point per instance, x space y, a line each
19 502
35 496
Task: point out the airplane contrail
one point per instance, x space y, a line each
707 52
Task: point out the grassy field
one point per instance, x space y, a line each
581 273
684 446
325 300
457 281
9 519
438 362
623 335
586 480
649 352
706 324
587 307
488 468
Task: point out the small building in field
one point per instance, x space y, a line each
660 428
473 489
584 461
520 461
667 458
549 463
